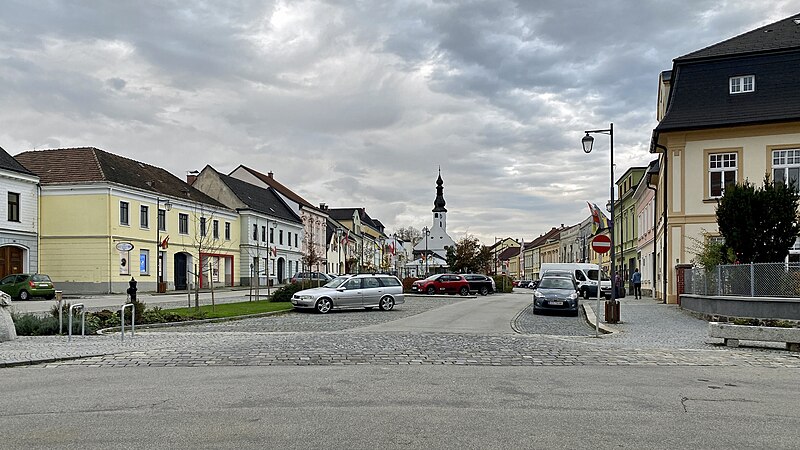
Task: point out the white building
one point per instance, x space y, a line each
435 239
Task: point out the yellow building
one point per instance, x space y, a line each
104 218
727 113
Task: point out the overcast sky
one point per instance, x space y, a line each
358 103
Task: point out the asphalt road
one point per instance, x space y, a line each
441 372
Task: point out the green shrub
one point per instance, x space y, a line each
284 293
407 282
34 325
503 283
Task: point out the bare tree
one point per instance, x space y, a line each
206 241
409 234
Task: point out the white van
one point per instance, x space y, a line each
586 276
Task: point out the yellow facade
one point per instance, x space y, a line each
691 214
80 230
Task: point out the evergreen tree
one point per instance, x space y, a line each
759 224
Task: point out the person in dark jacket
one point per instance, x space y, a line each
636 279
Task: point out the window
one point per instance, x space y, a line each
144 216
144 262
215 229
123 213
263 234
271 235
202 226
786 166
255 232
289 238
227 231
13 207
722 172
739 85
280 237
295 239
162 220
183 223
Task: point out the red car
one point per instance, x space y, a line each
442 283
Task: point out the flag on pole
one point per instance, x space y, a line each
600 221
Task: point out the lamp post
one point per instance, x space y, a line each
426 231
339 250
160 286
612 305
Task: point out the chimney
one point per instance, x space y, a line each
323 206
191 176
269 174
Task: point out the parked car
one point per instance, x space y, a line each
314 277
480 283
522 283
561 273
23 286
352 291
555 294
442 283
586 275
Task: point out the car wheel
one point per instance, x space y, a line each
463 291
386 304
323 305
484 290
431 290
23 295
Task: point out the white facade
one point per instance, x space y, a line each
20 222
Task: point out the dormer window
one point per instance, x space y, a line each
739 85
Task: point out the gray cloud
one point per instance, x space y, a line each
358 104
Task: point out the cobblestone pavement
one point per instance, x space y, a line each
334 339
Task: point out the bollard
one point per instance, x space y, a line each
83 320
122 320
60 303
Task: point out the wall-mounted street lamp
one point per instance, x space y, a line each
612 305
427 232
161 224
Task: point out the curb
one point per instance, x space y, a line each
591 319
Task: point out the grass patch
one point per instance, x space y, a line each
232 309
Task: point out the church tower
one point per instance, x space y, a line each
439 211
437 240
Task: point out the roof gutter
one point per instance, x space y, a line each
653 145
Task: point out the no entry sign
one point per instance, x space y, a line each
601 243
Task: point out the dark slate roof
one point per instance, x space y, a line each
347 214
779 36
265 201
554 233
700 95
285 191
509 252
92 165
8 162
438 202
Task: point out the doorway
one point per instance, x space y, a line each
281 270
11 260
181 264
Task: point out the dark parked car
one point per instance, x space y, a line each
442 283
555 294
480 283
561 273
23 286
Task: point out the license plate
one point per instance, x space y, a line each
556 303
43 286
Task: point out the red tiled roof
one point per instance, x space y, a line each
273 183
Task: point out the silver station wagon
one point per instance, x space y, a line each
352 291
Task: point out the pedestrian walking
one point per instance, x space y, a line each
617 285
636 279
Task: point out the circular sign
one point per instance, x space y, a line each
124 246
601 243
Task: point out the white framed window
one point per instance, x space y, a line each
786 166
144 216
740 85
722 171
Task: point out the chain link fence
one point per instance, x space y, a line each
746 280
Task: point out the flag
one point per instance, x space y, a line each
600 221
346 238
274 251
391 248
165 243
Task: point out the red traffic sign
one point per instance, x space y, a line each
601 243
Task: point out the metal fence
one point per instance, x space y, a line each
746 280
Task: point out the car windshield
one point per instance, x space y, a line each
556 283
336 282
593 275
433 277
40 277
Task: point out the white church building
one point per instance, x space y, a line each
430 252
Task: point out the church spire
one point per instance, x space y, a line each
438 204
